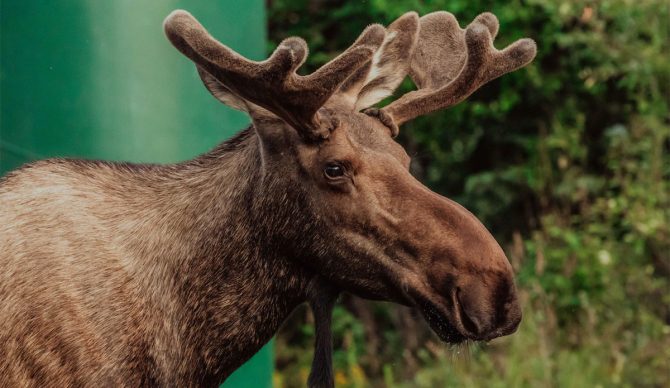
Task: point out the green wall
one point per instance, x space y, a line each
98 79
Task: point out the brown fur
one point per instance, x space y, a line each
126 274
114 273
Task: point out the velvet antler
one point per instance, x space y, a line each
273 84
450 63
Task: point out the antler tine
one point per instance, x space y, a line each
450 63
338 70
273 83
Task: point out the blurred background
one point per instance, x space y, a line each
566 161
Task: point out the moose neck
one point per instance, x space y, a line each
230 286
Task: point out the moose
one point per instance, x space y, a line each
143 274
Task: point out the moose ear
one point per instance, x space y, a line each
223 94
220 92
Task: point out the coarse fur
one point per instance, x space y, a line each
156 275
112 273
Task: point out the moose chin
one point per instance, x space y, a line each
134 274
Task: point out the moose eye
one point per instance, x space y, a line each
333 170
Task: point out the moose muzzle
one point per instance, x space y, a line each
468 291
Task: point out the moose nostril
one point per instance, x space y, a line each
507 304
484 312
511 317
469 318
516 321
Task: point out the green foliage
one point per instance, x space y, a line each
566 161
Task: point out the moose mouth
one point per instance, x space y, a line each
439 322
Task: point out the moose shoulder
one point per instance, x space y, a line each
176 274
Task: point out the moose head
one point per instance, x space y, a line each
340 197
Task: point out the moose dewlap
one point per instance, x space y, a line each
130 274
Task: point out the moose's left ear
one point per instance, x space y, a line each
223 94
220 92
389 66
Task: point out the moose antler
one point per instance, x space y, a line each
450 63
273 84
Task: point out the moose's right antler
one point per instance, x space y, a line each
450 63
273 84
